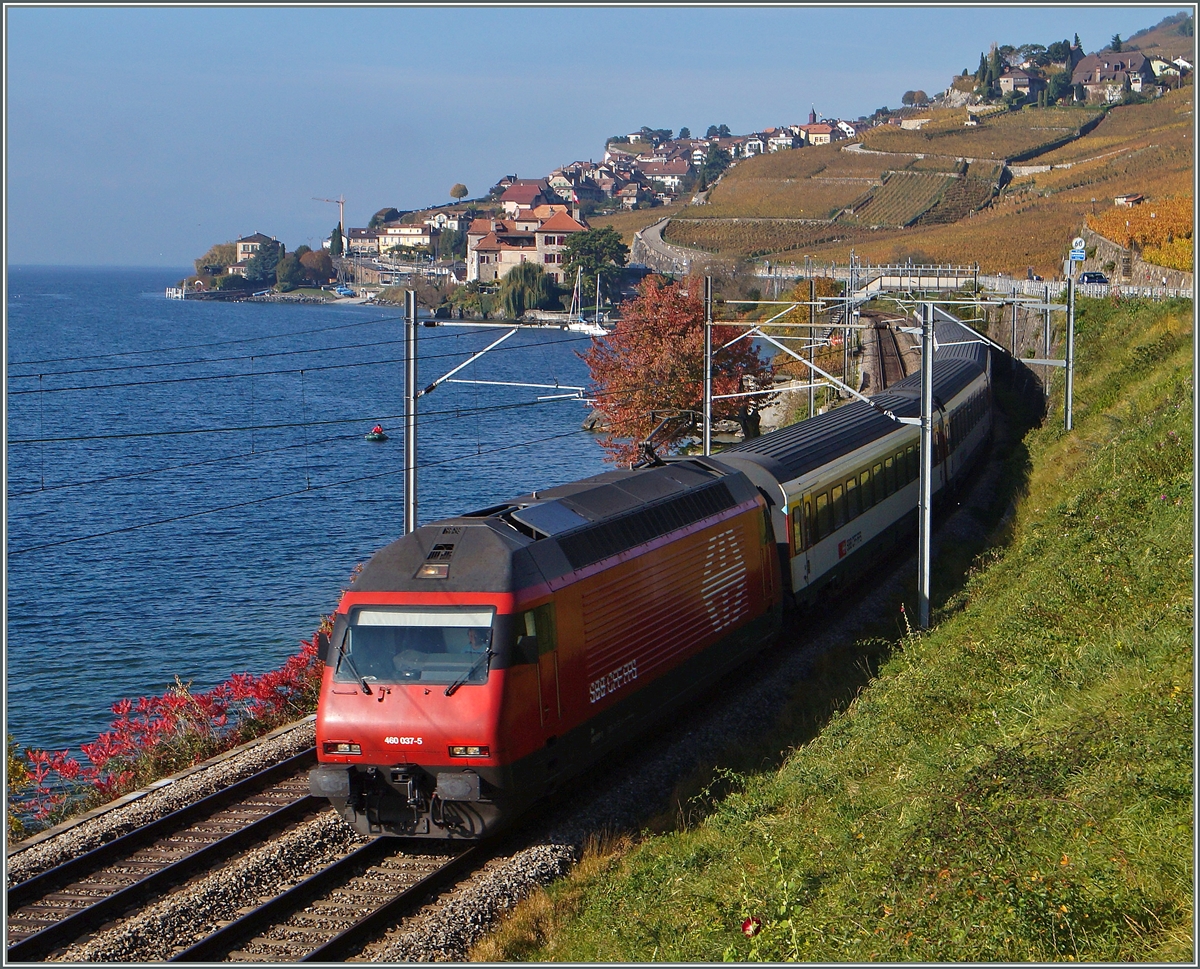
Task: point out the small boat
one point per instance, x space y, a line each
375 436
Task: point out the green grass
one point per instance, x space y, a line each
1014 785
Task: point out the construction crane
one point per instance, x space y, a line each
340 202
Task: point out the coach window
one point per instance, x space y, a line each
852 509
839 506
797 529
880 489
864 489
823 517
889 475
910 460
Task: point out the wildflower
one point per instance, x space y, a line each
751 926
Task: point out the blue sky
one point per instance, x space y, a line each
141 135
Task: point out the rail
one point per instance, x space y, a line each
43 914
356 880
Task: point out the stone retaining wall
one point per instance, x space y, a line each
1143 273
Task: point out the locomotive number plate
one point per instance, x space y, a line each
598 689
404 741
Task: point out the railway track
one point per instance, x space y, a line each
334 913
888 361
53 909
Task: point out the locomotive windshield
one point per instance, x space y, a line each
405 644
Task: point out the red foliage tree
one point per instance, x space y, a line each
652 366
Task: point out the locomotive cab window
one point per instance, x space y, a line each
404 644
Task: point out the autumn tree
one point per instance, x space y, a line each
217 258
458 191
652 366
318 267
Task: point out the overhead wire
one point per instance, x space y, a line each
289 494
239 376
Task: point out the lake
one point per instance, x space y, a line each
189 489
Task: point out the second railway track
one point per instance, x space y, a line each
51 910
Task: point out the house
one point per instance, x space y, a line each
449 221
395 234
1183 64
525 193
1022 82
781 141
1129 201
820 133
238 268
634 195
753 145
494 246
248 246
362 241
667 175
848 129
1105 75
1163 68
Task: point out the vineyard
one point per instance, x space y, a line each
1131 126
901 199
1023 227
964 196
1162 229
999 136
751 238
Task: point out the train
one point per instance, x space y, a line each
481 662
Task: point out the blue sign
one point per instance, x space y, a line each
1078 255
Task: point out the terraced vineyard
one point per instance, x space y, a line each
968 194
751 238
902 199
997 136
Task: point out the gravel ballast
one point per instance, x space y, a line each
74 838
199 908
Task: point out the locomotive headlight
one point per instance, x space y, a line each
341 747
469 751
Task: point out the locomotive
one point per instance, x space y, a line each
483 660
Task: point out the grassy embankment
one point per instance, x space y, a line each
1143 148
1014 785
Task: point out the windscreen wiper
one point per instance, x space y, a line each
487 655
343 655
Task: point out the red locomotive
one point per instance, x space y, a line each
482 660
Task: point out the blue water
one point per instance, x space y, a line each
150 440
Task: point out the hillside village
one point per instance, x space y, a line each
531 220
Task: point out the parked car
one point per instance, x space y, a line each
1093 277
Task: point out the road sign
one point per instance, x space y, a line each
1078 243
1078 255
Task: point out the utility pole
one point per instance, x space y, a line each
708 359
925 503
812 312
1046 330
1070 389
410 411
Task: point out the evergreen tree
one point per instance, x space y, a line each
981 73
685 133
335 241
1116 43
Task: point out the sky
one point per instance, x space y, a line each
140 136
